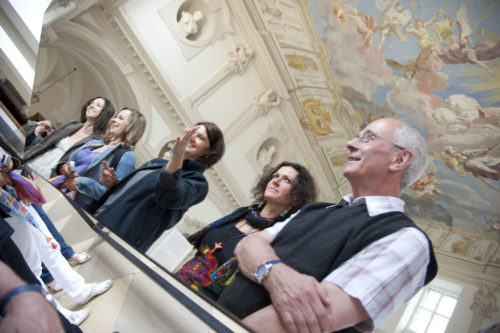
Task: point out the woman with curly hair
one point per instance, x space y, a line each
280 192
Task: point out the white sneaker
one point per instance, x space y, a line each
97 288
75 317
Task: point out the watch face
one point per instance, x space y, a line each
261 273
261 270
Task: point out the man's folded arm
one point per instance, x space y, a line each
341 312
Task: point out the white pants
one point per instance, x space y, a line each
35 250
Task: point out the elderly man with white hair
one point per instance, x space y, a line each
346 266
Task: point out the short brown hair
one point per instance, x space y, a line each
217 146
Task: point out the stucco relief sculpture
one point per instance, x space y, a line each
265 155
189 22
266 101
485 302
239 58
314 117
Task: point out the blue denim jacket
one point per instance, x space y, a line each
88 187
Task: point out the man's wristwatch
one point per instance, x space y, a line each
264 269
21 289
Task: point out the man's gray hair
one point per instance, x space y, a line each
407 137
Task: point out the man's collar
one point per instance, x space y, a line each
377 205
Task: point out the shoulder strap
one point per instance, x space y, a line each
118 155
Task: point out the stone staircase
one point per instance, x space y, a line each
134 303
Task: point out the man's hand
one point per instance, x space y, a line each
30 312
343 311
27 311
299 299
108 176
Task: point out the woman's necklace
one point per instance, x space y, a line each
248 230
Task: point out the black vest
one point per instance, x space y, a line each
316 242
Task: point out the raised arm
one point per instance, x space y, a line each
175 162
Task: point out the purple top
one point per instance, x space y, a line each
83 159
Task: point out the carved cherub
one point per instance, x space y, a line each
189 22
239 58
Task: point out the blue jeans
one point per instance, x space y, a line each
66 250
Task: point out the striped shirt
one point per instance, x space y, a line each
385 274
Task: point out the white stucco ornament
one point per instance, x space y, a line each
189 22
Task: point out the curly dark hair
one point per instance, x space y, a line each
107 112
303 187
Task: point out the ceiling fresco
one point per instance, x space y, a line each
436 65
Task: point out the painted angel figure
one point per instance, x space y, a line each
394 15
451 158
478 162
427 43
494 225
481 164
457 50
425 186
365 24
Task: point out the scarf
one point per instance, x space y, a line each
9 198
25 190
57 181
250 213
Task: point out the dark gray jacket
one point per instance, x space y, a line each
154 204
50 141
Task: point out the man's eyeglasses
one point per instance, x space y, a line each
370 136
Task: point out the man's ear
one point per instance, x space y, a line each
401 160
